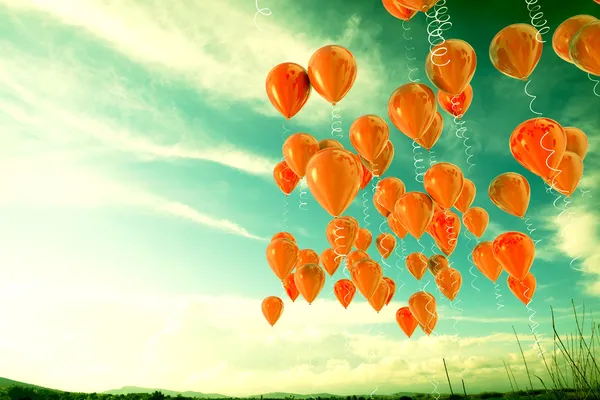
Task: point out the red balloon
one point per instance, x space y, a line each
288 88
285 178
344 291
289 285
516 252
398 10
406 321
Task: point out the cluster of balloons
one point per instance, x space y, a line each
577 41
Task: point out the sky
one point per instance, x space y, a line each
136 153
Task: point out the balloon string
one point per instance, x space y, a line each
454 304
384 250
530 230
537 19
303 204
470 259
365 201
421 245
286 204
452 235
596 84
337 237
417 162
262 11
336 123
400 251
408 48
440 22
432 158
461 131
567 202
533 327
498 294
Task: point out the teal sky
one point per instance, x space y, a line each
136 153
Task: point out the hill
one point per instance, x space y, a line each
172 393
5 382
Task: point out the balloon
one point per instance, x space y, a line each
436 263
515 50
416 263
396 226
433 133
330 261
284 235
423 308
412 109
289 285
564 34
415 211
389 191
307 256
450 65
333 177
383 160
355 256
444 182
332 72
583 49
367 175
309 280
363 239
281 256
466 197
272 308
379 207
568 176
298 149
392 286
386 243
366 275
510 192
515 251
476 220
419 5
369 134
456 105
449 280
285 178
398 11
577 141
406 321
538 144
344 291
523 290
341 234
486 263
444 229
325 143
431 325
288 88
377 300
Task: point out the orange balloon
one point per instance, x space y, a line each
431 325
412 109
383 160
392 286
577 141
285 178
377 300
325 143
444 183
366 275
367 175
516 252
416 263
396 226
330 261
272 308
309 280
386 243
423 308
510 192
523 290
389 191
288 88
307 256
564 34
450 65
289 285
298 149
379 207
406 321
283 235
444 229
515 50
449 280
363 239
436 263
344 291
583 49
369 134
355 256
398 11
341 234
332 72
418 5
538 144
466 197
456 105
281 256
486 263
415 212
333 177
433 133
476 220
568 176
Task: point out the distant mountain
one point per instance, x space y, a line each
281 395
4 382
135 389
